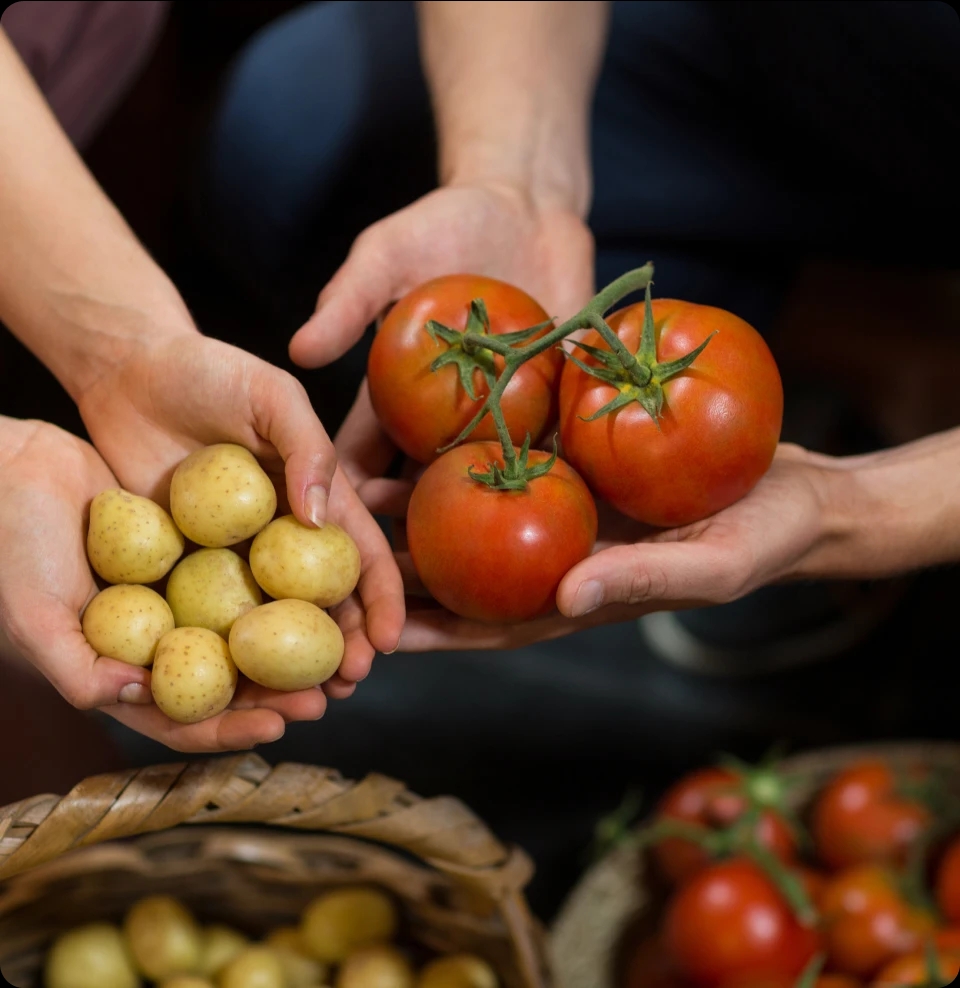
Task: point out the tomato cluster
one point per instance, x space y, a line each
669 411
865 891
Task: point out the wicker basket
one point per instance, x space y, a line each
459 888
617 901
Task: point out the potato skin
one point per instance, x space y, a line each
211 588
125 622
163 937
220 945
287 645
91 956
220 495
338 922
130 539
194 677
378 965
319 565
255 967
458 971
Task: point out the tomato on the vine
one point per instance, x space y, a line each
731 922
862 816
947 882
423 410
914 969
867 921
718 419
712 798
497 555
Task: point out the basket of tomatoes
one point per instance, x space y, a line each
229 873
836 869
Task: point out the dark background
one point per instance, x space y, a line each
540 743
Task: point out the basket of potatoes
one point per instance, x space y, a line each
178 876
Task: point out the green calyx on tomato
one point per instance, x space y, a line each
636 376
515 474
469 356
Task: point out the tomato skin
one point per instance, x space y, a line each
912 970
947 882
497 555
729 921
708 797
948 939
422 410
823 981
720 425
859 817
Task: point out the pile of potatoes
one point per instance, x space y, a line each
344 940
221 614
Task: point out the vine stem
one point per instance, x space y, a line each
514 357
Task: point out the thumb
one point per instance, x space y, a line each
84 679
665 575
360 290
285 418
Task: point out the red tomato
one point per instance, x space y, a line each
730 921
860 817
913 970
719 427
948 882
710 797
422 410
948 939
823 981
650 966
495 555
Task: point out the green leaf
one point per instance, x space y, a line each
542 469
663 372
477 319
605 357
648 340
522 335
600 373
623 398
438 332
651 400
812 971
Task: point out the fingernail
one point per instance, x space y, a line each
315 504
134 693
390 651
589 597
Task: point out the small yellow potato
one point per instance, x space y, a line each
194 676
287 645
220 945
187 981
255 967
300 970
126 621
130 539
211 588
220 495
163 937
338 922
93 956
321 565
376 966
458 971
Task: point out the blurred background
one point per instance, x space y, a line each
541 743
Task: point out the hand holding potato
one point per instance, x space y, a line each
165 400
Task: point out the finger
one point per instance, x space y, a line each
363 449
381 496
412 584
301 705
358 652
56 646
285 417
361 288
380 586
656 575
232 730
338 688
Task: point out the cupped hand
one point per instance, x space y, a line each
47 480
772 534
491 230
151 409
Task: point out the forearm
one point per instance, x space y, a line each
890 512
512 85
76 287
